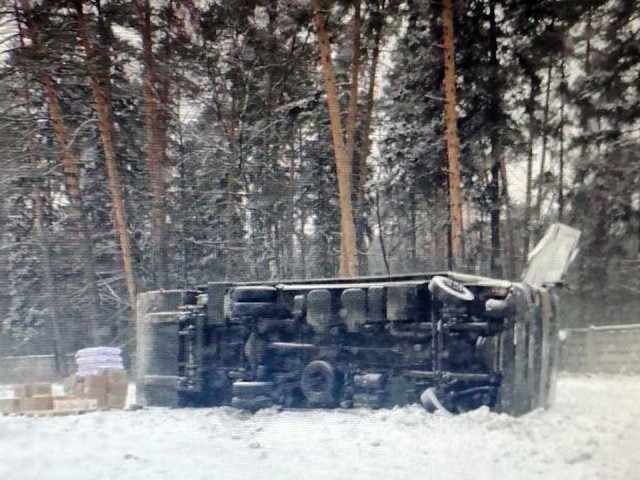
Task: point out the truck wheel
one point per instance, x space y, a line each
319 384
448 290
254 294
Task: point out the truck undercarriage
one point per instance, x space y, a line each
445 340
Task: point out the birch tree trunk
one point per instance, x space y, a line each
100 82
343 149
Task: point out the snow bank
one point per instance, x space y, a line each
592 433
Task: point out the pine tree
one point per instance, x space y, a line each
71 170
99 66
343 146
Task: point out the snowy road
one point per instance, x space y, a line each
593 432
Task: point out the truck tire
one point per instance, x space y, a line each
319 384
254 294
449 291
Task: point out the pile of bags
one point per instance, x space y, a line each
98 360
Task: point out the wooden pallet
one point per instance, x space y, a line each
54 413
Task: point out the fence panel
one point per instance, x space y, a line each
606 349
30 369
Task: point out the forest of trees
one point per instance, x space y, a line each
149 144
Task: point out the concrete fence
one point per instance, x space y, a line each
607 349
31 369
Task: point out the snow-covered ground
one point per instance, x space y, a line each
593 432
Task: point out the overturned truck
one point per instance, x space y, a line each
446 340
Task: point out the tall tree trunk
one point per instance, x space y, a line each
543 154
586 109
100 81
49 279
290 220
511 248
496 147
302 236
155 154
185 184
343 148
413 229
455 201
41 235
233 182
350 127
273 146
561 155
362 177
530 108
383 247
71 171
